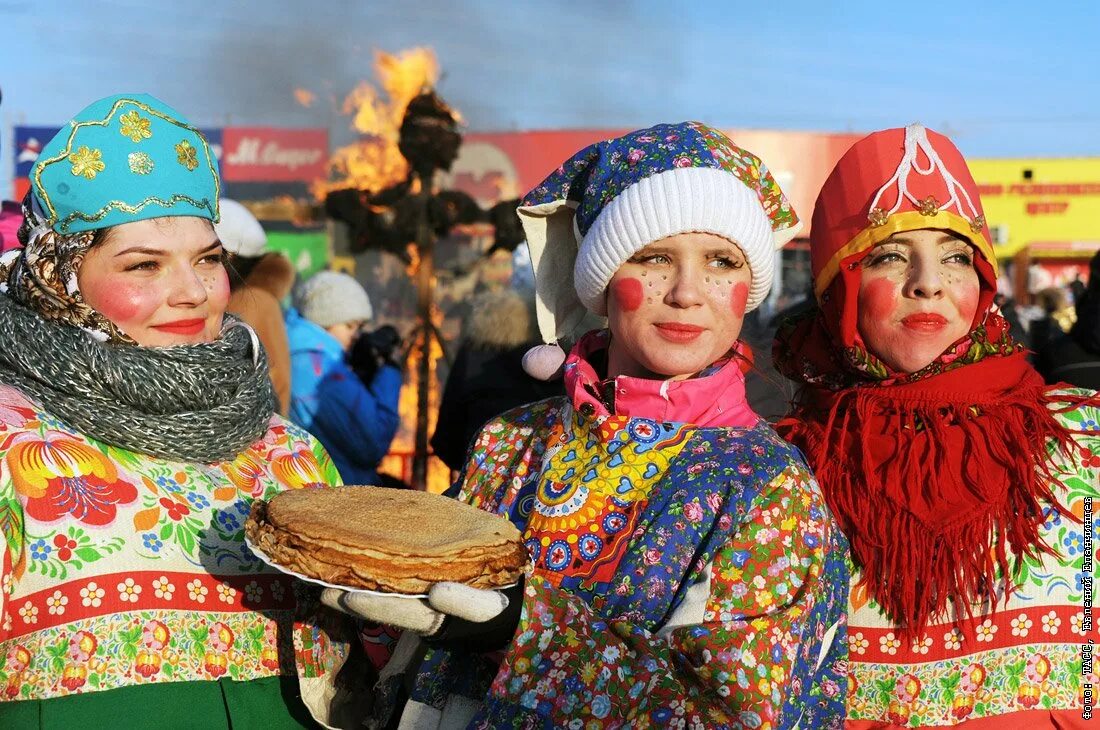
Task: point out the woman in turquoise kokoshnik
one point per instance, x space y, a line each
136 428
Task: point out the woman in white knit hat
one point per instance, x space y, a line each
354 416
685 566
259 280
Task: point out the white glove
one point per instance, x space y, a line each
423 616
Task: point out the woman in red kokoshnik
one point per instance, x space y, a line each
959 477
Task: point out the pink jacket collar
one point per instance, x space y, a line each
715 400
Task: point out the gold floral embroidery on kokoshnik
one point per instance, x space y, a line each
929 206
135 126
86 163
186 155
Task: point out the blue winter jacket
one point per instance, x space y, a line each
354 423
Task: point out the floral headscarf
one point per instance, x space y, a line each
42 275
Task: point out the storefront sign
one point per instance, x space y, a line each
1051 207
268 154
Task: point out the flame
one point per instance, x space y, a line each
398 462
414 261
374 162
305 97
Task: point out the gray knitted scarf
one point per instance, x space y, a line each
198 403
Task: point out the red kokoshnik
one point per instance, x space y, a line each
937 476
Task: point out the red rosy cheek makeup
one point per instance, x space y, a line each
882 299
967 302
121 304
628 294
739 297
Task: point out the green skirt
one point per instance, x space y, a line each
271 703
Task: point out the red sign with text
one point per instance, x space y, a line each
269 154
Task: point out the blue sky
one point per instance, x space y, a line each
1005 79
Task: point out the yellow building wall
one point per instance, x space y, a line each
1054 214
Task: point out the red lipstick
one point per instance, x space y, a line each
182 326
925 322
678 331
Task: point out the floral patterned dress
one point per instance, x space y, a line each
1018 666
683 575
121 569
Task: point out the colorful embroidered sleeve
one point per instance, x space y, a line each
14 409
761 654
11 542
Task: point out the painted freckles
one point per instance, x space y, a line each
918 295
124 301
160 281
216 283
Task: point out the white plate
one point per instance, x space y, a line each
283 569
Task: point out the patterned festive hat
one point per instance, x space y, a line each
892 181
125 158
616 197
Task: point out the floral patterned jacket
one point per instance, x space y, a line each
1016 666
682 575
119 568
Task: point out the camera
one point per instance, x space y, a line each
372 349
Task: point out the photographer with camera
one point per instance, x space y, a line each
345 380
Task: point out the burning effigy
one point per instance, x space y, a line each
382 193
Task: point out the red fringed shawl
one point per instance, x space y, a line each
936 479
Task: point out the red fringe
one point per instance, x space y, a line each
936 493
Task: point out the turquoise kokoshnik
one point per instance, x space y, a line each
125 158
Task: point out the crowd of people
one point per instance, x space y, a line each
909 545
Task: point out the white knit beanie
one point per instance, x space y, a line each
331 297
683 200
239 231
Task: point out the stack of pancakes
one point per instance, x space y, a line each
389 540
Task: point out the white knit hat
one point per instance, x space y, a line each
239 231
689 199
614 198
331 297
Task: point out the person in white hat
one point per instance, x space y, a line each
345 383
685 568
259 280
